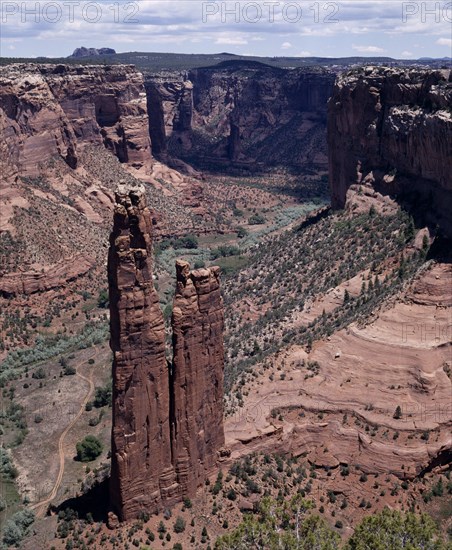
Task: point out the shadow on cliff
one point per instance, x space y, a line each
441 250
95 501
428 204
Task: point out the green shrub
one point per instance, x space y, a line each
69 370
89 449
190 242
103 395
256 219
187 502
224 251
17 527
231 494
39 374
179 525
103 300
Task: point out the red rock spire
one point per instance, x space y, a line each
197 376
167 422
142 475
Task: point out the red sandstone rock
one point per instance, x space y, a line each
48 110
54 276
167 423
112 521
142 476
393 128
197 428
251 114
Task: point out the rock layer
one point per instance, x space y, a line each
54 276
51 110
392 129
167 421
401 358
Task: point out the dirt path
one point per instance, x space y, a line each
40 507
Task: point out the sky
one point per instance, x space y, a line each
399 29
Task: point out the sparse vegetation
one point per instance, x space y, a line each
395 530
16 528
256 219
293 268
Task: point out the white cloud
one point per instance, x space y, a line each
367 49
183 26
444 42
231 40
406 54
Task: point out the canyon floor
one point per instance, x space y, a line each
333 321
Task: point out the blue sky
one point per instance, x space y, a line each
402 29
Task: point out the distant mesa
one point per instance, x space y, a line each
91 52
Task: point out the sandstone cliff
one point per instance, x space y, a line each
170 108
392 129
53 276
48 111
167 421
197 374
245 112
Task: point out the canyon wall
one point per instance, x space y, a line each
392 129
55 276
244 113
167 419
170 108
52 110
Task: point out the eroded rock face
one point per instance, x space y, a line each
167 421
48 110
401 357
242 112
197 374
54 276
392 129
170 108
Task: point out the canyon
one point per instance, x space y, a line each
240 115
64 126
333 318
